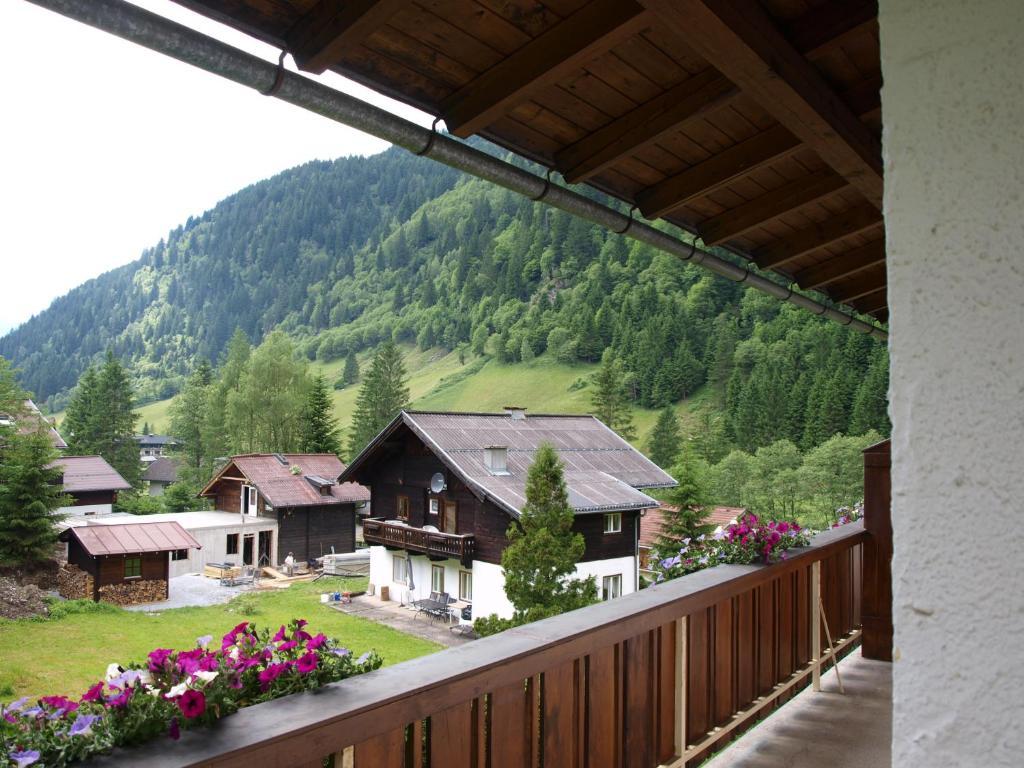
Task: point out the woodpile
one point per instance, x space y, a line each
132 592
73 583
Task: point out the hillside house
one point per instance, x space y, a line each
154 446
91 483
119 563
31 419
446 487
315 514
160 473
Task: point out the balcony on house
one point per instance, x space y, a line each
434 544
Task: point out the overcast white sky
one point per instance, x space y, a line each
106 146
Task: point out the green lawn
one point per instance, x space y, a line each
66 655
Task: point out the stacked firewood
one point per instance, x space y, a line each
73 583
132 592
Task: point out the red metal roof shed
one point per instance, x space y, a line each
101 540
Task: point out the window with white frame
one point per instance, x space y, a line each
434 505
399 570
437 578
611 586
466 586
613 522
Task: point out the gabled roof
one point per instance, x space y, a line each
653 521
155 440
100 540
89 473
162 470
30 419
602 471
274 477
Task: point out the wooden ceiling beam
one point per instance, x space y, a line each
739 39
877 302
692 99
743 218
843 265
822 30
321 36
563 49
860 286
835 228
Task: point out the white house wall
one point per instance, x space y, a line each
953 107
214 543
86 509
617 566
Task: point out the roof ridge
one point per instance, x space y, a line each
502 414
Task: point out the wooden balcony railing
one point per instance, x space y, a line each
432 543
660 677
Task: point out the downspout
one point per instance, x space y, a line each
180 42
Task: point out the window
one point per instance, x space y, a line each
402 507
437 578
434 504
398 570
232 544
613 522
466 586
179 554
611 586
133 567
252 508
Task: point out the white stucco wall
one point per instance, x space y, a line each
489 591
626 566
953 106
86 509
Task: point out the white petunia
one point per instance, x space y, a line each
205 676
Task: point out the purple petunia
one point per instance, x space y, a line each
204 641
270 674
95 693
173 729
24 758
192 703
83 725
280 635
158 659
341 652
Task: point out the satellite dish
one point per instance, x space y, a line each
437 482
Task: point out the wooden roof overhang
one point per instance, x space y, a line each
755 125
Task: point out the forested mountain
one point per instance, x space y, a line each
345 254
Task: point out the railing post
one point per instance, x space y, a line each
816 624
681 677
876 595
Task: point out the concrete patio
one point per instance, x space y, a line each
851 730
403 619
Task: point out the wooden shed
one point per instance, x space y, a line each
122 564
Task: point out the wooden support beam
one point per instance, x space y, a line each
835 228
690 100
876 302
563 49
718 170
843 265
743 218
823 29
320 37
863 285
738 38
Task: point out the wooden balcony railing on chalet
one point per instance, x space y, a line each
432 543
657 678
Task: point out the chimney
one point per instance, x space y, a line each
516 412
496 459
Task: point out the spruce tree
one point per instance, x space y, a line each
30 494
117 420
665 438
610 398
81 421
871 401
188 413
543 549
382 395
319 427
685 518
350 375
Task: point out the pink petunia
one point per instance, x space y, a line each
280 635
283 647
306 663
158 659
270 674
94 693
192 703
316 641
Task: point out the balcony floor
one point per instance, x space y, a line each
824 728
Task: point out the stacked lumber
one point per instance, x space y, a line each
73 583
132 592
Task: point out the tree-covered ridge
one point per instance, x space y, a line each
344 256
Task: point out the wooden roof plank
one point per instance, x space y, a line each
876 302
841 266
865 284
738 38
822 29
835 228
565 47
718 170
320 37
644 125
772 204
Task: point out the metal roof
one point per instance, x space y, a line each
89 473
602 471
282 486
162 470
126 539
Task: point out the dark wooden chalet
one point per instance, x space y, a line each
481 461
315 513
126 563
91 483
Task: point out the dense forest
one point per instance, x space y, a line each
345 255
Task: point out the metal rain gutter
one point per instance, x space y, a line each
180 42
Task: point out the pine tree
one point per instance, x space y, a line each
114 398
350 375
610 399
319 427
30 494
382 395
685 517
146 429
543 549
665 438
871 401
187 416
81 422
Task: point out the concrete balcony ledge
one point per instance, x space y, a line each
850 730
